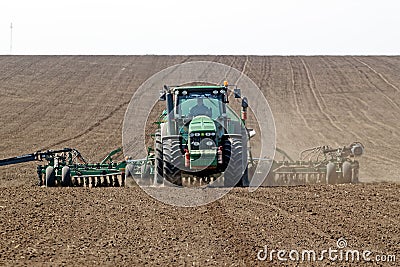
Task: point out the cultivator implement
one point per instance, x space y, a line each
67 167
319 165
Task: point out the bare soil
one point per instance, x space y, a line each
79 101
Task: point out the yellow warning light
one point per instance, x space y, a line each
226 83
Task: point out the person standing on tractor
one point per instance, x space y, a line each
200 109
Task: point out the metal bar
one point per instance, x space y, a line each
19 159
112 153
284 154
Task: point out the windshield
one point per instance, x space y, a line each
195 104
211 105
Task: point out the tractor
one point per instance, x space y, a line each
200 135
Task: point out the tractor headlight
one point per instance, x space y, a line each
184 92
215 92
208 134
196 143
222 91
210 143
196 134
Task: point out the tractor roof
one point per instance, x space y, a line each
199 87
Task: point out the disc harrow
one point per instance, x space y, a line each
318 165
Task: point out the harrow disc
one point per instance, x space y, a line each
110 180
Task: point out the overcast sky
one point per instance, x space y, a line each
252 27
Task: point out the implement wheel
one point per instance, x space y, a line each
331 174
145 172
129 175
50 177
356 167
347 172
66 176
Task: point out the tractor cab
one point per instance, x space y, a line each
187 102
206 101
200 111
198 132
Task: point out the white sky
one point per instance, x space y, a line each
254 27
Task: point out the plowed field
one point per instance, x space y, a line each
79 101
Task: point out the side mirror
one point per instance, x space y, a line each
163 93
162 96
245 103
237 93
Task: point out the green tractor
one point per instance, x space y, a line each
200 135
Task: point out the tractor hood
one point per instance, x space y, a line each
202 124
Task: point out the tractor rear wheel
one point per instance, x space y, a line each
236 173
66 176
50 177
173 160
158 162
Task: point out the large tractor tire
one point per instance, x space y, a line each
236 172
331 174
66 176
158 163
50 177
226 153
347 171
172 160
